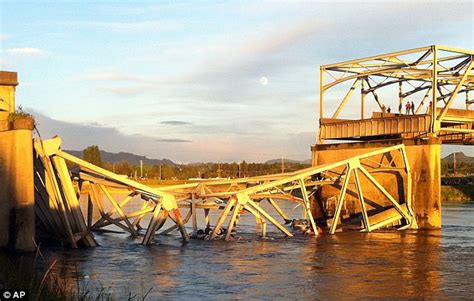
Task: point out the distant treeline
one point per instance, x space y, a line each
464 166
184 172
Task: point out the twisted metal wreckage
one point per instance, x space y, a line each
58 193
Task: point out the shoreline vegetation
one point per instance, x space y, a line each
461 193
22 271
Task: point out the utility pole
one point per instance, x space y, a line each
113 167
141 169
239 170
454 162
282 164
218 170
160 171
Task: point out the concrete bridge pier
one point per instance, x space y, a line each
17 213
424 156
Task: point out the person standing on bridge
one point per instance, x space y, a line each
428 109
407 108
413 108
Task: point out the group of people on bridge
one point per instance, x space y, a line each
409 108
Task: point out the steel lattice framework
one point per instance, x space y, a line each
58 194
435 75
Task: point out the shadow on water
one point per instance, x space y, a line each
410 264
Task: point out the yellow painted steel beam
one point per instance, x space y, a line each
456 90
340 200
346 98
380 56
374 72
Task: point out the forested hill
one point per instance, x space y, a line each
130 158
460 158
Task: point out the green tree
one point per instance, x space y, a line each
123 168
92 155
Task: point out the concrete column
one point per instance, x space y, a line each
424 156
17 214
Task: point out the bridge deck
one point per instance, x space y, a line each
391 125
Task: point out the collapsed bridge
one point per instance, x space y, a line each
58 193
381 170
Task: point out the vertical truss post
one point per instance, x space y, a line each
409 193
362 99
179 221
153 225
400 96
321 100
194 213
321 92
340 200
207 219
434 87
90 212
222 218
307 206
363 208
232 220
467 99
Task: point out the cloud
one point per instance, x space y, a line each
206 147
175 122
130 27
172 140
125 91
4 36
25 51
113 77
239 60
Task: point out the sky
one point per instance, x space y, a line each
202 81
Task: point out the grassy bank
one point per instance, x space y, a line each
457 193
19 271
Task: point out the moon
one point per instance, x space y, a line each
263 81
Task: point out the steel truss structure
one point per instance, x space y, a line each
60 214
433 77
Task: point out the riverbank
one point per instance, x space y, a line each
457 193
44 281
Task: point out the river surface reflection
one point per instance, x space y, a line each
410 264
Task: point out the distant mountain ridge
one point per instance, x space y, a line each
124 157
460 158
273 161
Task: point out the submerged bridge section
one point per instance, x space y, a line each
419 97
61 216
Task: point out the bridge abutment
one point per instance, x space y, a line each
425 168
17 213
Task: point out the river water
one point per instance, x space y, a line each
389 265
